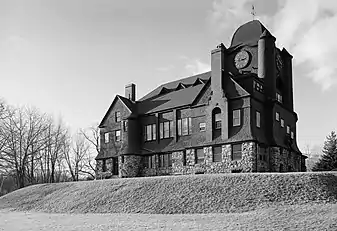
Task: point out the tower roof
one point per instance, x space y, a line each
249 32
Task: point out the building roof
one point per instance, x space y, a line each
249 33
171 95
170 86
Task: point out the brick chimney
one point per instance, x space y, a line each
219 75
130 91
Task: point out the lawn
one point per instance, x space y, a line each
200 194
288 217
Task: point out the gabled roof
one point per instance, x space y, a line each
173 85
170 100
185 96
128 103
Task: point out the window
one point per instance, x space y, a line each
165 160
217 154
258 119
166 129
288 129
117 116
184 126
277 117
292 135
154 132
258 86
103 165
279 97
125 125
262 151
118 135
202 127
236 152
199 156
106 137
217 118
179 127
282 123
236 118
150 132
184 158
150 161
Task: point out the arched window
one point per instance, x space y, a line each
216 118
216 122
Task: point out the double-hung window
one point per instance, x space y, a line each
236 117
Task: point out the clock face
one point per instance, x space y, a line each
241 59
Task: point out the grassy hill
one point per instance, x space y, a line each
223 193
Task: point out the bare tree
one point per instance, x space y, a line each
21 129
92 137
77 156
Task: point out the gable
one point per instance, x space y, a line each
121 104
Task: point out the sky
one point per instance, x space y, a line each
70 58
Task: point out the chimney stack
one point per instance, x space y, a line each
218 79
130 92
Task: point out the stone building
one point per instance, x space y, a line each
238 117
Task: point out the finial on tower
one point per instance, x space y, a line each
253 13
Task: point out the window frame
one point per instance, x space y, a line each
292 135
197 157
217 121
288 129
218 154
234 153
279 97
150 132
184 126
202 128
106 137
120 135
117 116
184 158
277 116
125 125
236 118
282 122
258 119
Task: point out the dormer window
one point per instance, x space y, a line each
198 81
180 86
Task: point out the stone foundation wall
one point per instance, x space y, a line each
227 165
183 163
282 160
100 174
131 167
